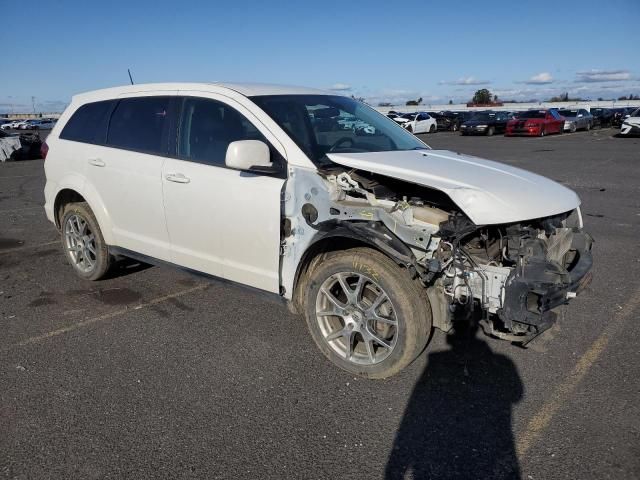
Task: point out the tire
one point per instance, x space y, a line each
432 129
490 131
454 127
404 301
542 132
83 243
588 127
573 128
410 129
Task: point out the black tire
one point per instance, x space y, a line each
410 129
102 257
454 127
407 298
432 129
490 131
542 132
588 127
573 128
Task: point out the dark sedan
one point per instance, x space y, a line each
486 123
602 117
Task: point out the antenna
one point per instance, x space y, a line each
130 77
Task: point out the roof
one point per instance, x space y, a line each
246 89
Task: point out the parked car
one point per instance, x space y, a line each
537 123
576 119
631 124
486 123
43 124
420 122
602 117
446 121
376 238
13 124
620 113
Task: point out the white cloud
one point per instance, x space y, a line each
540 79
593 76
465 81
340 87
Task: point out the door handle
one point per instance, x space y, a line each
96 162
177 178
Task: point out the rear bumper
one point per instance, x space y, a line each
532 291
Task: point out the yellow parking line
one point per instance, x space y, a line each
543 418
18 249
107 316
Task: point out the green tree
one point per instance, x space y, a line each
482 96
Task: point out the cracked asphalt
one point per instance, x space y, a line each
154 373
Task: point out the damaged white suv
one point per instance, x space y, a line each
371 234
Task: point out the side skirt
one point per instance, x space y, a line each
269 296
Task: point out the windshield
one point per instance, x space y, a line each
568 113
531 114
636 113
322 124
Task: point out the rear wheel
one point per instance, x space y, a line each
83 242
365 313
454 127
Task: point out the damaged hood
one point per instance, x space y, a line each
487 192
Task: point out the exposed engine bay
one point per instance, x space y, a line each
514 274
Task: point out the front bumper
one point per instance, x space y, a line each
534 289
629 129
527 131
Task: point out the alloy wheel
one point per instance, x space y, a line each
80 242
356 318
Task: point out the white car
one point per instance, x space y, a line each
631 124
373 236
14 124
420 122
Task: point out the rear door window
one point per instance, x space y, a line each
140 124
89 123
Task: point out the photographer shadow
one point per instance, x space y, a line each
457 423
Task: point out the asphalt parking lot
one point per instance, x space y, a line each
154 373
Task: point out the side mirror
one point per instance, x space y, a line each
249 155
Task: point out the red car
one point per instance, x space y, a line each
536 123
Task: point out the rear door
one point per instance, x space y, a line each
221 221
126 173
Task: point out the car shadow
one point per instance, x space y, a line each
124 266
457 423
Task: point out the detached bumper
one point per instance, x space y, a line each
532 291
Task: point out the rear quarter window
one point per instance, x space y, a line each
89 123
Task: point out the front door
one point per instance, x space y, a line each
221 221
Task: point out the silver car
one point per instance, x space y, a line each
576 119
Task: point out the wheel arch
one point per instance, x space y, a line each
71 193
345 236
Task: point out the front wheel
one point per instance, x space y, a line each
491 131
410 129
432 129
83 242
365 313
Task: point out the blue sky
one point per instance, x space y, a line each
381 50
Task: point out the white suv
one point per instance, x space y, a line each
371 234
